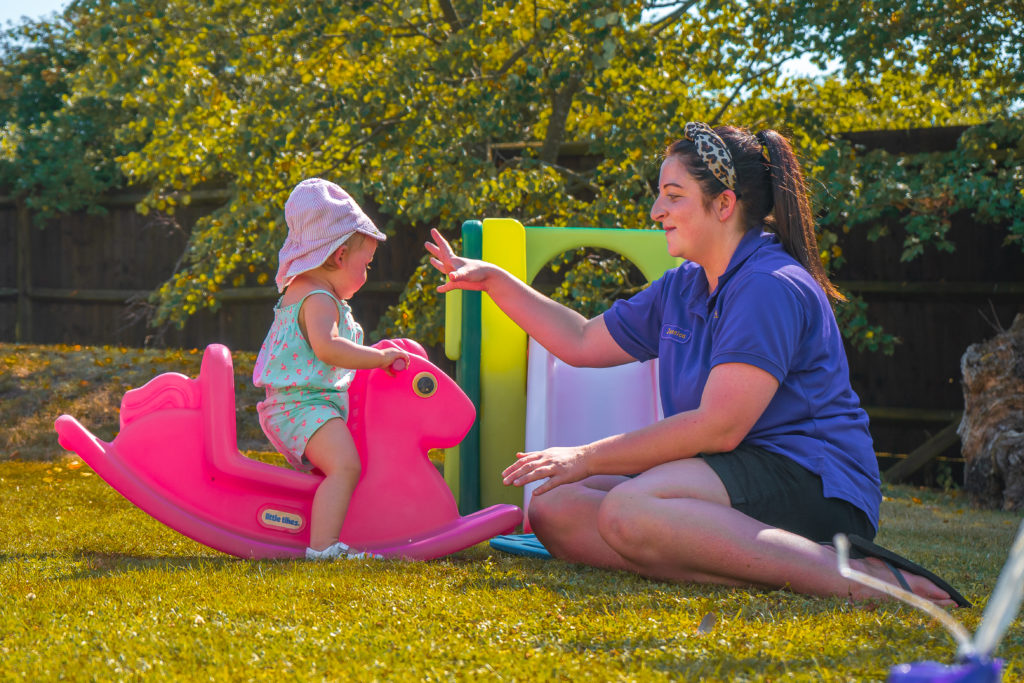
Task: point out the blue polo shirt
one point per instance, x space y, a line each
767 311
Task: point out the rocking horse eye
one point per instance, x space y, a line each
424 384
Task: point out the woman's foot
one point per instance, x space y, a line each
891 567
917 585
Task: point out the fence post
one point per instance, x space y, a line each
23 274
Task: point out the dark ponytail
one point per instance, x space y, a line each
770 190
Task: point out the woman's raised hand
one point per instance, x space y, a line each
462 273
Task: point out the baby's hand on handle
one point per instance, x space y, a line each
394 360
462 273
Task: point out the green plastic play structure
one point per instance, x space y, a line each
490 349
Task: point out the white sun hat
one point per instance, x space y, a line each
320 217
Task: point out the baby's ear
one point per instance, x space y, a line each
339 254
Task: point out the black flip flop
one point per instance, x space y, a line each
865 548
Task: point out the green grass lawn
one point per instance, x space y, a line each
91 588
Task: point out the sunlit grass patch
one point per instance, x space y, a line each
92 588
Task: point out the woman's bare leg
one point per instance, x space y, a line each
565 520
675 523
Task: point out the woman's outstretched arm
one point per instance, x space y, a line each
568 335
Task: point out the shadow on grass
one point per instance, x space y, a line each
609 590
90 565
688 655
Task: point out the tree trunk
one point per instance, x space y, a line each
992 429
561 105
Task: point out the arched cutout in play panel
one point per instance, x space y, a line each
588 279
491 350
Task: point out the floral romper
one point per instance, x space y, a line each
303 392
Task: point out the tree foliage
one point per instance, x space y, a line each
407 105
56 155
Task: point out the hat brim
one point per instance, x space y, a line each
293 265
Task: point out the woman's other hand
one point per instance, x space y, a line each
561 465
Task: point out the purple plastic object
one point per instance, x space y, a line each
176 457
970 671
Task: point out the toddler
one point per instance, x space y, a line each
314 347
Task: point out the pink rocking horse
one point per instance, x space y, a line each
176 457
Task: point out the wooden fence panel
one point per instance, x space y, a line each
938 304
8 271
86 268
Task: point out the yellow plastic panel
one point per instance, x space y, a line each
453 324
502 368
452 472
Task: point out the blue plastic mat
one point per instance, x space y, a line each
521 544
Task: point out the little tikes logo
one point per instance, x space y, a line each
281 519
676 334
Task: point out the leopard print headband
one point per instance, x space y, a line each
712 151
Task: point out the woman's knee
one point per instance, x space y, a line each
619 519
547 508
564 511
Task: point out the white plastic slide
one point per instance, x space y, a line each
567 406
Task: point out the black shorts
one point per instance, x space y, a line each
777 491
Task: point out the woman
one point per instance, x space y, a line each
764 453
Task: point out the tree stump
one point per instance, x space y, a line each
992 429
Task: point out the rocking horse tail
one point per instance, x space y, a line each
101 457
74 437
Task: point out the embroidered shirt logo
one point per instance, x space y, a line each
676 334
